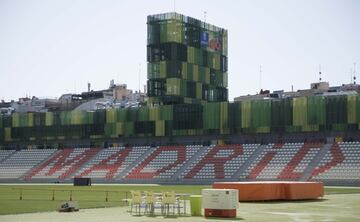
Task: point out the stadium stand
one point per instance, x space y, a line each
341 162
5 154
20 162
337 163
63 164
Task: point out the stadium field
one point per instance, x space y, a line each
339 204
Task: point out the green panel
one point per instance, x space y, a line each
166 113
336 110
143 114
277 115
245 114
184 70
160 128
197 56
90 117
121 115
199 90
76 117
183 87
351 109
173 86
207 75
154 70
163 33
30 120
129 129
15 120
211 116
7 134
131 114
216 61
316 110
224 118
339 127
310 128
292 129
225 80
300 111
154 113
174 31
49 119
163 69
65 118
120 128
23 120
109 129
235 117
195 73
260 114
191 55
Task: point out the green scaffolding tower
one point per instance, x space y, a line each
187 60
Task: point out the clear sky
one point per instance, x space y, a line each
48 48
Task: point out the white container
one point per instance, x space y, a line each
220 199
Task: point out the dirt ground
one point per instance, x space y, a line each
337 207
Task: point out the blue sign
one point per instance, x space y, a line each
204 39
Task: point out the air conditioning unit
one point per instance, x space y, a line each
220 202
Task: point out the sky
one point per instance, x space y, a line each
49 48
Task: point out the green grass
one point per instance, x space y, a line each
38 198
341 190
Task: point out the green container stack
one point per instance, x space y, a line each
187 60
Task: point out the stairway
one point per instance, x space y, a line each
337 158
261 165
315 162
248 162
177 175
136 162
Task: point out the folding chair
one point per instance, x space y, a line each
169 198
136 201
149 202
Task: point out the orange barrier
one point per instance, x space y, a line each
274 190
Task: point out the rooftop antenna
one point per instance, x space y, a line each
139 77
260 77
319 72
354 73
205 16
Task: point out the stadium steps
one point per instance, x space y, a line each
30 173
123 173
177 175
5 154
21 162
218 161
337 158
110 163
261 165
288 172
81 160
241 171
158 168
315 162
57 162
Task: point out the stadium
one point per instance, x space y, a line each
184 138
